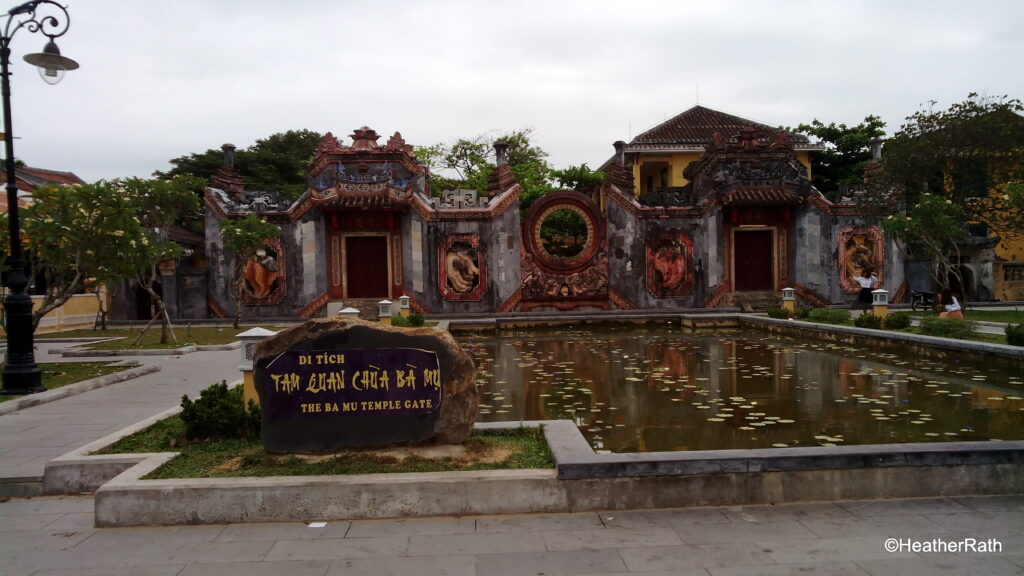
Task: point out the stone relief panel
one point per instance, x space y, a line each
860 247
263 275
565 253
463 270
669 264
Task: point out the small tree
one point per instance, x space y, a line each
162 204
77 235
580 178
931 230
971 153
470 160
245 237
847 151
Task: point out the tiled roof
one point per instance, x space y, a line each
36 177
698 125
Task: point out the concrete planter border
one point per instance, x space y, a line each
581 480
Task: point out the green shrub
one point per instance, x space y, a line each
867 320
897 321
1015 334
830 315
414 320
220 413
803 312
947 327
776 312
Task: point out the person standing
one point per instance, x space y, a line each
867 282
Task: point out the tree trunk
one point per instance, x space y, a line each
239 270
161 310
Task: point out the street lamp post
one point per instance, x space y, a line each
21 375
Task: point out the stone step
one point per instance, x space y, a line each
367 307
752 301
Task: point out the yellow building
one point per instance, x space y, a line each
660 155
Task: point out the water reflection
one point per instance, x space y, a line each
644 390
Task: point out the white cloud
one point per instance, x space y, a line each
159 80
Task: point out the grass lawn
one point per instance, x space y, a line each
205 335
62 374
1007 316
519 448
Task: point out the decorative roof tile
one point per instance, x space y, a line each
698 125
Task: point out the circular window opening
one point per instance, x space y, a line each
564 234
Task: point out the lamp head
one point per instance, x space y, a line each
50 63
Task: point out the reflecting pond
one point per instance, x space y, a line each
646 389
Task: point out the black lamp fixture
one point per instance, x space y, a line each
21 375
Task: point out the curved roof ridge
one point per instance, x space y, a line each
698 124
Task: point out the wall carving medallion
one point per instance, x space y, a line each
263 275
669 264
860 247
462 273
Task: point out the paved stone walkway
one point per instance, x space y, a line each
54 535
32 436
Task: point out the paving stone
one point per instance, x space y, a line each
221 552
785 512
981 524
743 532
270 531
1009 503
825 569
287 567
898 507
662 517
447 525
565 563
172 570
125 538
848 549
905 526
405 566
610 538
77 521
533 522
689 557
23 522
926 565
333 548
694 572
460 544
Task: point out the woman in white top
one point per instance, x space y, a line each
952 308
867 282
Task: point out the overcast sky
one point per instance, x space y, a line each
161 79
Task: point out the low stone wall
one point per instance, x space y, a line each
926 346
581 481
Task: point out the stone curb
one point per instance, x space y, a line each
582 480
155 352
945 344
76 388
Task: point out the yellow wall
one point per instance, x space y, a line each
1009 270
78 312
677 162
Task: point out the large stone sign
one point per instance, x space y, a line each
342 382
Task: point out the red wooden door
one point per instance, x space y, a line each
366 266
752 260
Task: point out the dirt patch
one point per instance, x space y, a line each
229 466
453 452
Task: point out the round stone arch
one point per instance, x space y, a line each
576 203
